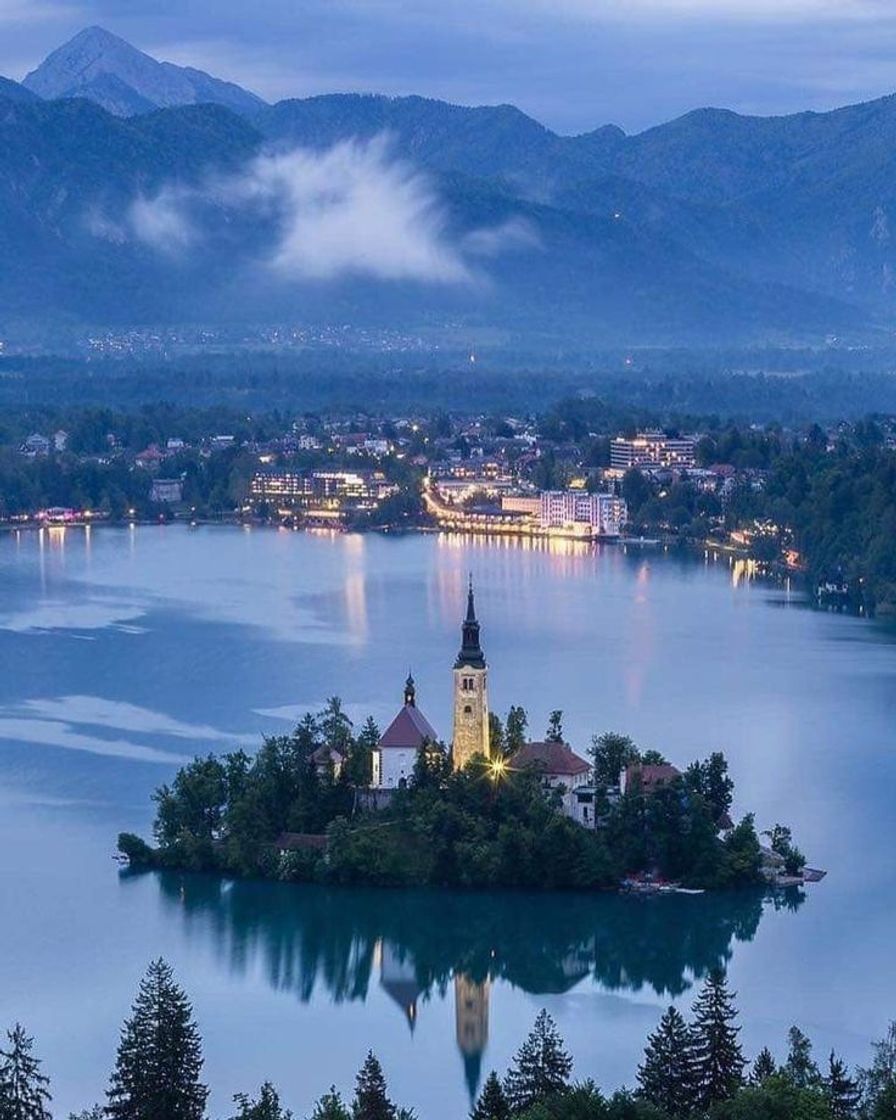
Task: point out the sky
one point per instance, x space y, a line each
572 64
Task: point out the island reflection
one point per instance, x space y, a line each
414 944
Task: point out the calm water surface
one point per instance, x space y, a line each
124 652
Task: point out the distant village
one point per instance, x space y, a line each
503 477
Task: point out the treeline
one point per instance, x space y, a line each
835 507
489 825
693 1070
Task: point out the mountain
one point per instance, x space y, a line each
72 173
103 68
13 91
712 227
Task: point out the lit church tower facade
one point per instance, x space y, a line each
471 733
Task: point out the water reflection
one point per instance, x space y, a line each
415 946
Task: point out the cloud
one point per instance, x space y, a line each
96 711
350 211
49 733
515 233
162 221
353 211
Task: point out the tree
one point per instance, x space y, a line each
782 843
492 1103
799 1068
335 726
267 1107
666 1075
718 1058
23 1088
495 735
743 853
156 1074
359 767
541 1066
515 728
331 1107
371 1099
764 1066
612 753
430 766
841 1090
555 727
878 1082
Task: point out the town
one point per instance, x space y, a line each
572 473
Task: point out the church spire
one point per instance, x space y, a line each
410 692
471 654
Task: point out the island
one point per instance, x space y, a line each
331 805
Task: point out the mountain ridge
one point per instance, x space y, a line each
714 222
107 69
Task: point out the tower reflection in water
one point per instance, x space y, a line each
322 943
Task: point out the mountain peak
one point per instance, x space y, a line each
103 67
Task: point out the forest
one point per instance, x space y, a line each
691 1069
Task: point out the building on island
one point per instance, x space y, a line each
648 778
471 725
328 761
563 771
396 752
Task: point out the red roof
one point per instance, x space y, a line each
651 777
409 730
551 758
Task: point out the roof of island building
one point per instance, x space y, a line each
410 728
470 655
650 777
551 758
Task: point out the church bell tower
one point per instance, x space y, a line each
471 732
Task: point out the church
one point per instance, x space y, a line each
393 759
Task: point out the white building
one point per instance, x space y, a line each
651 449
167 491
396 752
579 513
561 770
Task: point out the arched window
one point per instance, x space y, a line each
468 711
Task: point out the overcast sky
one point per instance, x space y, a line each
573 64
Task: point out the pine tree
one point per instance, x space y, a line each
666 1076
878 1082
718 1058
800 1069
555 727
156 1074
541 1067
267 1107
515 729
331 1107
841 1090
371 1100
764 1066
23 1088
492 1103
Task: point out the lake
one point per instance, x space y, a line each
124 652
